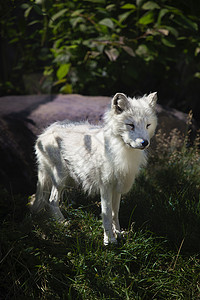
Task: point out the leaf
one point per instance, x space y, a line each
38 10
112 54
66 89
75 21
57 15
110 7
124 16
129 6
163 31
156 31
14 40
48 71
34 22
77 12
63 71
58 82
25 6
197 75
161 14
107 22
167 43
172 30
147 18
118 22
129 50
174 10
27 11
93 54
197 51
142 50
150 5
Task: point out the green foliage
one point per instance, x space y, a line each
100 47
41 259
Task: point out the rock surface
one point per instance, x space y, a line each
22 118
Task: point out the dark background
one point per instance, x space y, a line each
99 47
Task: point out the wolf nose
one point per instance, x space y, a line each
144 143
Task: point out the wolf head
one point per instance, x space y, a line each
133 120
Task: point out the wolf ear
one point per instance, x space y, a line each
119 103
152 99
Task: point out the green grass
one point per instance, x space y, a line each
157 259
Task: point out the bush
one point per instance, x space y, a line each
100 47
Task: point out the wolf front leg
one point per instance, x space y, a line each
106 211
116 197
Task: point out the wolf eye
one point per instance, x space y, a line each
148 125
132 126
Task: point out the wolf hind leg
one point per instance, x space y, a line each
43 191
54 204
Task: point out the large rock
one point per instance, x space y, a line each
22 118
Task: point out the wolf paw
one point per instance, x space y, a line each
119 233
108 241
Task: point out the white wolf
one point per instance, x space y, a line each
103 159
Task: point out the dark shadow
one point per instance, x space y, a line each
17 171
167 205
18 165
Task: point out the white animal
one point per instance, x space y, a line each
104 158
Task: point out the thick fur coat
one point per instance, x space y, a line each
101 159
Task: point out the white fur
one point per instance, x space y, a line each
103 159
